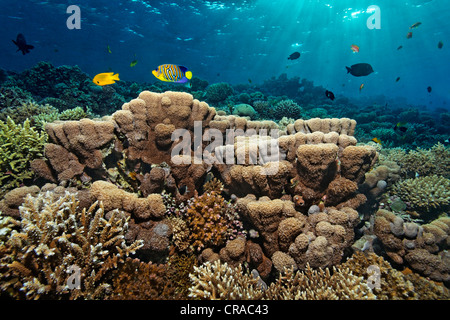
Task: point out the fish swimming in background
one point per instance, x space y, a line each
109 49
400 47
409 35
429 89
249 80
361 87
440 44
354 48
134 62
294 56
22 45
172 73
360 69
401 126
376 140
103 79
330 95
397 80
415 25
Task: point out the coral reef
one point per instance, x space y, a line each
20 145
217 281
423 248
54 240
293 239
424 194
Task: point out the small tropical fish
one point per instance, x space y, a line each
429 89
361 87
109 49
103 79
354 48
172 73
294 56
400 47
133 63
415 25
401 126
440 44
360 69
409 35
249 80
22 45
330 95
376 140
397 80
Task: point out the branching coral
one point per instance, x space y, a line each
322 284
217 281
424 194
19 145
54 240
425 162
394 284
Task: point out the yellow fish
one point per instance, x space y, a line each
172 73
103 79
376 140
109 49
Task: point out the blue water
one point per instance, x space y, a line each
234 41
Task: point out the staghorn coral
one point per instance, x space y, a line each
179 267
424 194
425 162
55 238
19 146
338 283
218 281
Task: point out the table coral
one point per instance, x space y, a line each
54 236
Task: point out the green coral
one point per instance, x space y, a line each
424 162
218 92
424 194
287 108
20 144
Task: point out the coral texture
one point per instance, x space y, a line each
54 240
423 248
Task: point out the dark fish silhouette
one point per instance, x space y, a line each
429 89
440 44
22 45
330 95
397 80
400 47
294 56
360 69
401 126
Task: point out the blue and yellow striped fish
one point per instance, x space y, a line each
172 73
